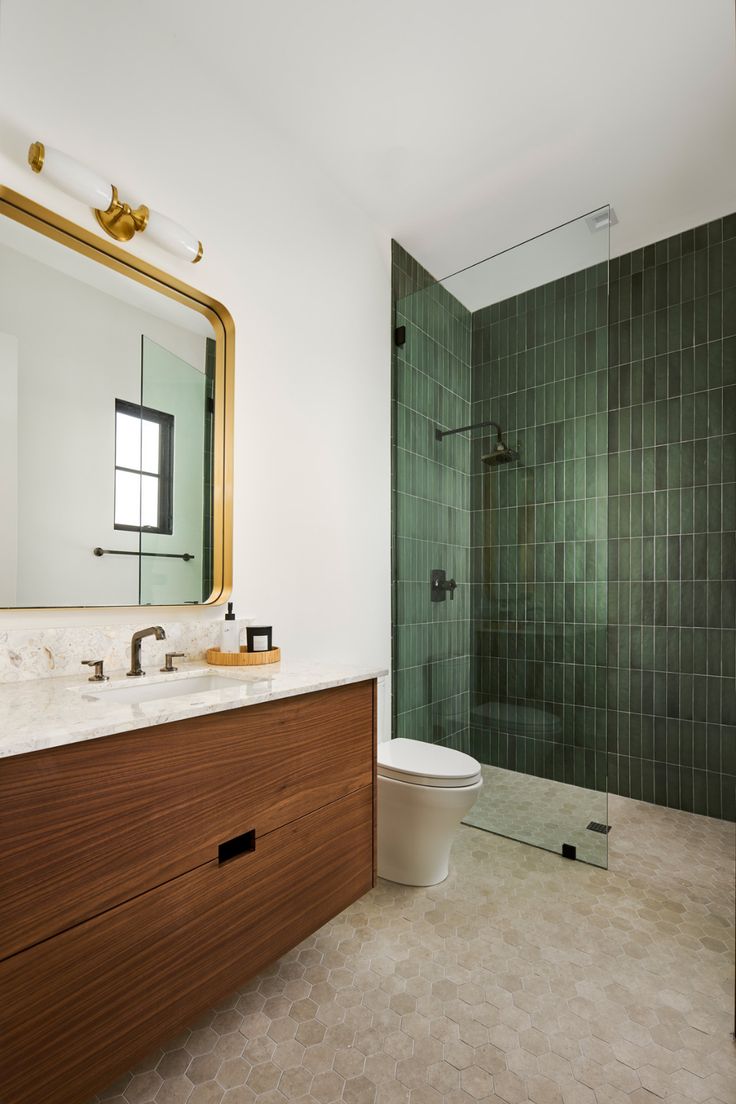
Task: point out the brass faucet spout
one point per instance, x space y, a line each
135 648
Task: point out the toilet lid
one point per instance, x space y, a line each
426 764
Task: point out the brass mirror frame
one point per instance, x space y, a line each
22 209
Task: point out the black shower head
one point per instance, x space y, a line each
501 454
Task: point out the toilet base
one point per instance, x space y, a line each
416 828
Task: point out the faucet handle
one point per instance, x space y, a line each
169 656
98 664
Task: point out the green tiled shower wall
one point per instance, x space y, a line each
672 521
431 522
539 532
602 566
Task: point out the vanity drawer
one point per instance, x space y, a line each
79 1009
87 826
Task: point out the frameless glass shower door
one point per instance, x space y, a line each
501 481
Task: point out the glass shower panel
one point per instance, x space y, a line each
529 492
176 477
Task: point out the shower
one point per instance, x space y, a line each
501 453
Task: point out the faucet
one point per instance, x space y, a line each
135 647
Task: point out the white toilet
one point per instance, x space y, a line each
424 791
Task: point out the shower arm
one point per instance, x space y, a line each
440 433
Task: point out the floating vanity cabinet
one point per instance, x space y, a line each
145 875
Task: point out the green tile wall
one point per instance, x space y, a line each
539 529
601 570
431 522
672 516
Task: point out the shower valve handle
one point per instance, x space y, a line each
440 585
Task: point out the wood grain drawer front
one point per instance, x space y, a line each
88 826
78 1009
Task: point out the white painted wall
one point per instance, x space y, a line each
304 272
8 468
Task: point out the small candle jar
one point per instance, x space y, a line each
258 638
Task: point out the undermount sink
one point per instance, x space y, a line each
142 691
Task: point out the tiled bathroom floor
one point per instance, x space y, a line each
542 812
523 976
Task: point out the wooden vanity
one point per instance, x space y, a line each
146 875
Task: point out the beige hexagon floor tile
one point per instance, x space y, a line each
233 1072
542 1090
282 1028
459 1054
295 1083
175 1090
207 1093
174 1062
399 1045
522 1062
143 1087
326 1086
392 1092
510 1087
204 1068
258 1050
380 1068
241 1094
614 988
359 1090
476 1082
263 1077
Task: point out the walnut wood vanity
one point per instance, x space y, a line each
147 874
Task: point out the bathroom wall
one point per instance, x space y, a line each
669 655
672 521
305 274
431 507
604 563
539 529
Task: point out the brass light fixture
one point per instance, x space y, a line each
118 219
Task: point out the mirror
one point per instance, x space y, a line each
115 424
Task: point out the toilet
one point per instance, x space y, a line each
424 791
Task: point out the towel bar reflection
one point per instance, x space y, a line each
163 555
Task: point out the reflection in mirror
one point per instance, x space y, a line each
107 394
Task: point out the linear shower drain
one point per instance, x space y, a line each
596 826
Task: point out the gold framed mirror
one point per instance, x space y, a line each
116 424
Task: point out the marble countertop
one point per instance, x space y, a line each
51 712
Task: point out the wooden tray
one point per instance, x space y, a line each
244 658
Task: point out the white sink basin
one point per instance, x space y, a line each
140 690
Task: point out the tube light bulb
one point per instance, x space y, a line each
76 180
170 235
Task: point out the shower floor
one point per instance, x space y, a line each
541 812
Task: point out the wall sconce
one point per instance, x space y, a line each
116 218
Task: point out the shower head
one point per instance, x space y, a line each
501 454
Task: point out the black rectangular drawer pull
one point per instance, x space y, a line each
238 845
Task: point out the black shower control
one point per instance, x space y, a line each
440 585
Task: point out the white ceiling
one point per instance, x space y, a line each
464 126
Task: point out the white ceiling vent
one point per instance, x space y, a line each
599 220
